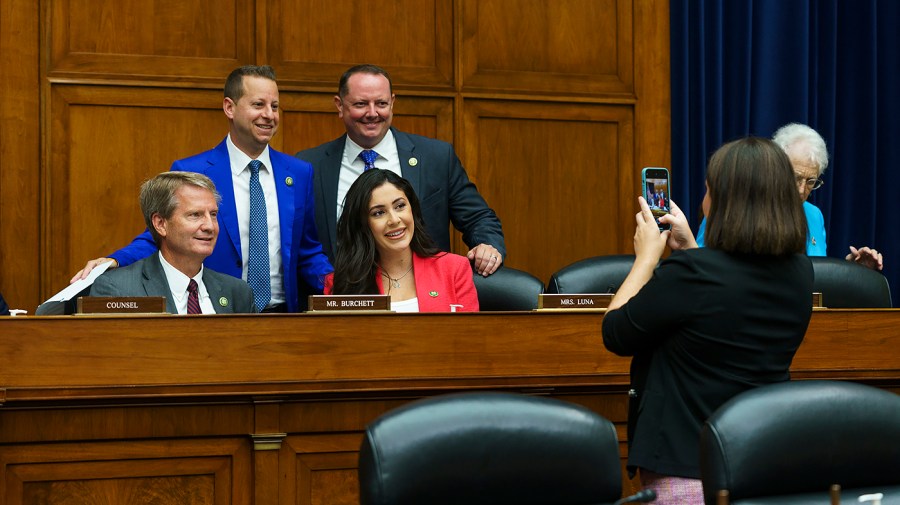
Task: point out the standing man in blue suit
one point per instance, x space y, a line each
365 102
251 106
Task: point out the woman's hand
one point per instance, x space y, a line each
649 242
681 236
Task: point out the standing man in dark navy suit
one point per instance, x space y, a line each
252 107
365 102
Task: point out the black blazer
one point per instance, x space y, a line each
707 326
438 178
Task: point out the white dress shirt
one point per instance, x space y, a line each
240 179
178 284
352 166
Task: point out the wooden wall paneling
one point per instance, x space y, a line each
556 174
203 471
104 142
321 469
550 47
653 109
20 155
314 41
159 40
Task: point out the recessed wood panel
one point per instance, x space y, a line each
321 469
213 472
20 141
149 39
105 141
314 119
548 46
315 41
558 176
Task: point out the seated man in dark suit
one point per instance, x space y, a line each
180 209
365 102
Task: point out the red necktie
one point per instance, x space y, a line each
193 306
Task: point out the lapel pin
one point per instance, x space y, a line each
413 162
223 301
289 181
433 294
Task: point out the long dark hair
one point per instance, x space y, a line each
754 204
356 258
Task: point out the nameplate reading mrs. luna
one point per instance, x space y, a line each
569 301
331 303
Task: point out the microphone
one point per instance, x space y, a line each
642 496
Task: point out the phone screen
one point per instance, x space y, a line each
656 190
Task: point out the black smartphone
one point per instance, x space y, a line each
657 192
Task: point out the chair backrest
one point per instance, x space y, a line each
788 443
845 284
508 289
598 274
489 449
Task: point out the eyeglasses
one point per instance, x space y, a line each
811 184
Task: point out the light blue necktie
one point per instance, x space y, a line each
258 262
368 156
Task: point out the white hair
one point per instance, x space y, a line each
799 140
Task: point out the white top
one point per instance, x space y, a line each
411 305
178 284
240 179
352 166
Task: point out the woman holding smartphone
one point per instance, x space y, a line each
711 322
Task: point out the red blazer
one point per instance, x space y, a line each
441 281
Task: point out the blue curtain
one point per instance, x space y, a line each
747 67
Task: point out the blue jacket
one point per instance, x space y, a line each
300 249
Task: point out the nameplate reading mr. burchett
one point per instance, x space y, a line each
321 303
581 301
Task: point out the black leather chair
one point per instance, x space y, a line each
844 284
489 449
598 274
788 443
508 289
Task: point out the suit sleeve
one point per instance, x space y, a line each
311 261
104 286
469 212
466 295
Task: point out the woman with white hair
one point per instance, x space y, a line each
809 159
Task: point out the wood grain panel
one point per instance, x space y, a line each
214 472
149 39
556 174
315 41
321 469
314 119
20 148
105 142
548 46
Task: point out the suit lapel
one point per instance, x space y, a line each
330 174
285 179
216 294
155 283
406 151
219 170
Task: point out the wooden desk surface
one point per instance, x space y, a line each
269 409
69 357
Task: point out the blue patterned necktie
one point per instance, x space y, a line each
368 156
258 262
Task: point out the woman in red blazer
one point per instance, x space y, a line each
384 249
